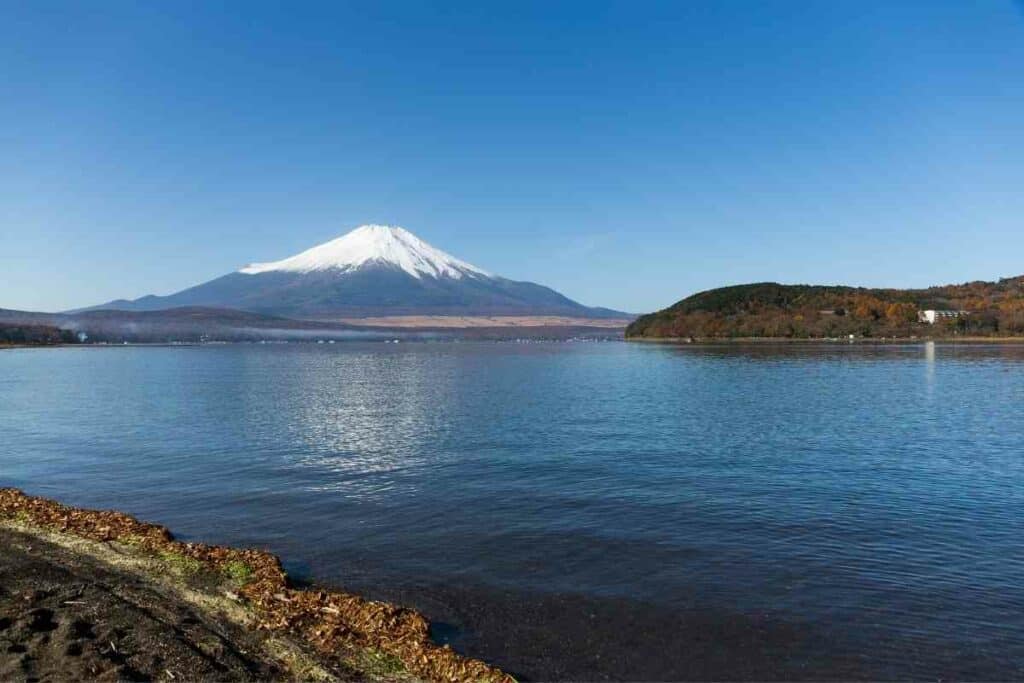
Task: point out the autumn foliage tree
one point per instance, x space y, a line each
769 309
901 313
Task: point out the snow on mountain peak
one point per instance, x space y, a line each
381 244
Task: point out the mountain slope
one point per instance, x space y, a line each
371 271
769 309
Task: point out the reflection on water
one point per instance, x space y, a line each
835 488
929 373
354 422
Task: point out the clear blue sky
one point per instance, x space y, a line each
626 154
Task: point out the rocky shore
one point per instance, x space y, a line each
87 595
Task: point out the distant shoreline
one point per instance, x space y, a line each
466 322
33 346
708 341
672 341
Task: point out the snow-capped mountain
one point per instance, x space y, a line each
372 271
373 244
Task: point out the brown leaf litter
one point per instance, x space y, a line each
329 620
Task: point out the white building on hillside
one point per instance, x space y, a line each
932 316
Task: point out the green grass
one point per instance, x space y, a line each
22 517
239 572
181 563
132 540
375 664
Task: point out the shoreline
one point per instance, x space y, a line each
33 346
674 341
699 341
340 632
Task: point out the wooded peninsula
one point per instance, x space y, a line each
772 310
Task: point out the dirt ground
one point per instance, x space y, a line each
191 604
65 616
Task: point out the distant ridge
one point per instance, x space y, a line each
201 323
372 271
177 324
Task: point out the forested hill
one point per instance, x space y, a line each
34 335
768 309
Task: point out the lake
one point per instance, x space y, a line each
581 510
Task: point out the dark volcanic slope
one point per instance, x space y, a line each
371 291
372 271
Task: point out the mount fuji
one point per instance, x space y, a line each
372 271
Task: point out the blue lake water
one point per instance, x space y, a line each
843 510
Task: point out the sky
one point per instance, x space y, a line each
627 154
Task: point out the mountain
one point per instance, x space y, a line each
773 310
372 271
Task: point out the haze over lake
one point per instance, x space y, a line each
854 509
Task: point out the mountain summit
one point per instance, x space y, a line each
372 271
373 244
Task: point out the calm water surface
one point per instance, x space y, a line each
603 510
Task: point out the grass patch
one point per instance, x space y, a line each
239 572
181 563
375 664
132 540
22 517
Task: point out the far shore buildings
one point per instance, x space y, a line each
933 316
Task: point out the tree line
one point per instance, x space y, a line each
35 335
808 311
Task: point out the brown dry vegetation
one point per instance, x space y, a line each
328 620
